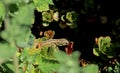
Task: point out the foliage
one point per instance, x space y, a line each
104 47
69 17
106 50
21 52
69 63
38 60
2 12
42 5
113 68
90 69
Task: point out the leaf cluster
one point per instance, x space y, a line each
104 47
18 17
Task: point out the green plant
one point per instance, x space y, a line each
114 67
106 51
17 17
21 52
104 47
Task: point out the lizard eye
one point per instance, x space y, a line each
38 46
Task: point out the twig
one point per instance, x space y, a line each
15 62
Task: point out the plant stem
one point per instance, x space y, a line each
15 62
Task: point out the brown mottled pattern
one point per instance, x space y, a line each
58 42
50 42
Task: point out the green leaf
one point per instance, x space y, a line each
13 8
69 64
76 55
2 11
72 16
25 15
107 39
24 54
45 24
46 17
110 54
20 35
25 1
63 18
110 69
0 23
11 1
96 51
42 2
10 66
100 42
6 52
73 26
103 41
91 68
49 1
42 5
48 66
23 37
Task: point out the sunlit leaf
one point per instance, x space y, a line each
96 51
48 66
42 5
21 33
69 24
46 17
72 16
69 64
25 1
49 1
45 24
56 16
100 42
91 68
76 55
11 1
63 18
103 41
6 52
2 11
25 15
107 39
